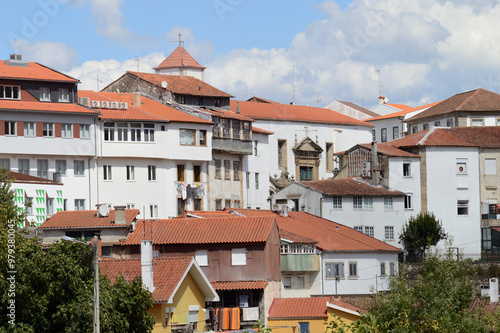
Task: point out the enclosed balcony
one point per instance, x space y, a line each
299 258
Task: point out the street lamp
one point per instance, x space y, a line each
97 325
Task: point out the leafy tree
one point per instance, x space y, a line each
54 288
421 232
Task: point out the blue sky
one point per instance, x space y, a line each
315 51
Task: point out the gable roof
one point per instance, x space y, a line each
33 72
309 307
479 100
184 85
179 58
44 107
150 110
401 113
383 148
261 100
349 186
84 219
239 285
296 113
168 275
17 177
216 230
359 108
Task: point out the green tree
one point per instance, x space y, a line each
421 232
54 288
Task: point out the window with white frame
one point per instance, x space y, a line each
201 257
130 206
29 129
389 232
337 202
151 172
227 169
287 281
61 167
130 169
414 129
63 95
353 269
408 201
382 269
395 132
84 131
358 228
236 170
300 281
187 137
135 132
357 202
425 126
490 166
23 166
109 131
49 205
437 123
370 231
463 207
256 180
153 211
78 168
388 203
107 172
79 204
67 130
406 169
461 166
477 122
368 203
149 132
44 95
193 316
334 270
238 256
9 92
48 130
42 168
5 163
383 135
10 128
122 131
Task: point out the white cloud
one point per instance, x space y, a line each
55 55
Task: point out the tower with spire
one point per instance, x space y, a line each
181 63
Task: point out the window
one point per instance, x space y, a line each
78 168
300 281
197 204
227 170
122 131
406 169
227 203
63 95
368 203
238 256
149 132
383 135
49 205
67 130
353 269
187 137
476 122
180 172
130 206
10 128
44 95
5 163
197 173
217 169
182 99
130 172
84 131
463 207
334 269
392 268
153 211
42 168
48 130
490 166
461 166
135 132
61 167
151 172
357 202
358 228
107 175
382 269
395 133
305 173
304 327
425 126
374 138
181 206
414 129
218 204
389 232
437 123
23 166
236 170
9 92
79 204
236 204
201 257
248 180
449 122
329 156
28 204
388 203
256 180
255 148
218 103
109 131
370 231
193 317
282 157
408 201
203 137
287 281
29 129
337 202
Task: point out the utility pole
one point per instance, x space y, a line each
97 324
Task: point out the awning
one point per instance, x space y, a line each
239 285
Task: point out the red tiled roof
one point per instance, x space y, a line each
261 131
44 106
167 273
22 178
402 113
203 231
474 100
149 110
226 114
299 113
349 186
184 85
452 137
386 149
179 58
87 219
34 71
296 238
239 285
261 100
350 304
401 107
300 307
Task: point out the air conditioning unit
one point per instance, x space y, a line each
366 173
96 104
123 106
85 101
113 105
105 104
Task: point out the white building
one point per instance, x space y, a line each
352 110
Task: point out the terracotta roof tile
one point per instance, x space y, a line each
225 114
296 238
475 100
167 273
22 178
387 149
401 107
179 58
34 71
44 107
261 131
149 110
299 113
261 100
452 137
299 307
239 285
215 230
87 219
349 186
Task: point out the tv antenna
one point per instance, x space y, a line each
293 84
137 64
97 81
317 99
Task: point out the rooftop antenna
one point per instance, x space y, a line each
97 81
137 64
379 85
293 84
181 43
317 99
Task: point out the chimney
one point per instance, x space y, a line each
381 100
493 290
238 107
147 265
120 214
136 99
375 165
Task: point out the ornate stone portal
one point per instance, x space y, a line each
307 159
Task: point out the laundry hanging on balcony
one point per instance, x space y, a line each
190 191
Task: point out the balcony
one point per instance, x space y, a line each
300 263
490 220
234 146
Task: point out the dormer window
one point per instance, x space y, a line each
44 94
9 92
63 95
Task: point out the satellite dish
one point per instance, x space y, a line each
290 204
386 100
164 84
103 210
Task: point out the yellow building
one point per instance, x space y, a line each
308 314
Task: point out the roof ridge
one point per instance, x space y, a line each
422 141
468 98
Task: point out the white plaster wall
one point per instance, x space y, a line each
383 109
487 120
30 190
260 163
197 73
309 285
406 184
225 189
388 124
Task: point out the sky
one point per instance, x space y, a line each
309 52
